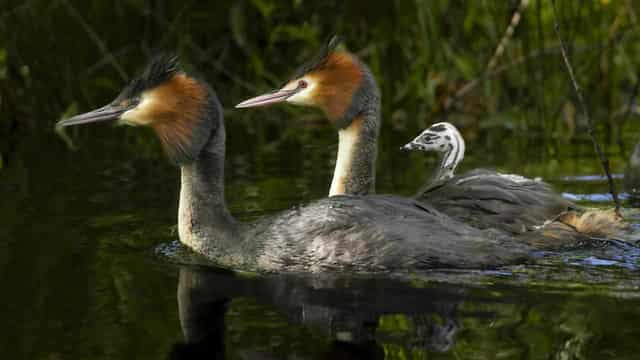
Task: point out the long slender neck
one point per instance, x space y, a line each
204 223
451 156
444 170
355 171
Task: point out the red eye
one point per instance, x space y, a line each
302 84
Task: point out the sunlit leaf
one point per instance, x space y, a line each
237 20
265 7
71 110
25 71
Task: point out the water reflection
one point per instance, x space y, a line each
353 312
376 318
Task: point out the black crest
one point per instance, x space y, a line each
320 59
161 68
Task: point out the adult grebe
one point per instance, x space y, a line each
481 197
344 89
342 233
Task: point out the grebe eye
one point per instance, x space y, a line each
302 84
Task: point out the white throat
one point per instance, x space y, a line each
347 141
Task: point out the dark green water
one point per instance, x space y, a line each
85 226
82 276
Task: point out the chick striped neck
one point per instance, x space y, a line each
450 160
445 139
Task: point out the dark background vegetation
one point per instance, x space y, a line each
80 211
61 57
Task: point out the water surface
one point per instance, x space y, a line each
84 278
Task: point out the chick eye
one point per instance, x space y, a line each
302 84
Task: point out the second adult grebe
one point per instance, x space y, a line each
343 87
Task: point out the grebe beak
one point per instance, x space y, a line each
408 147
273 97
108 112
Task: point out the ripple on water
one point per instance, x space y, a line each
176 253
594 197
610 268
590 178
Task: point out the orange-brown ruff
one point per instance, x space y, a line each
176 112
339 76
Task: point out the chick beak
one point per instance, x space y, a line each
273 97
108 112
408 147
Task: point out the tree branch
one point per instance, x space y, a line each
601 155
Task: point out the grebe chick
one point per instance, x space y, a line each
342 233
486 198
344 88
443 138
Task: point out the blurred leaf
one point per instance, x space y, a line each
109 221
569 117
238 23
394 323
265 7
465 66
71 110
25 71
304 32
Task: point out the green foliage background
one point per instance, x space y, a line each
59 54
76 224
